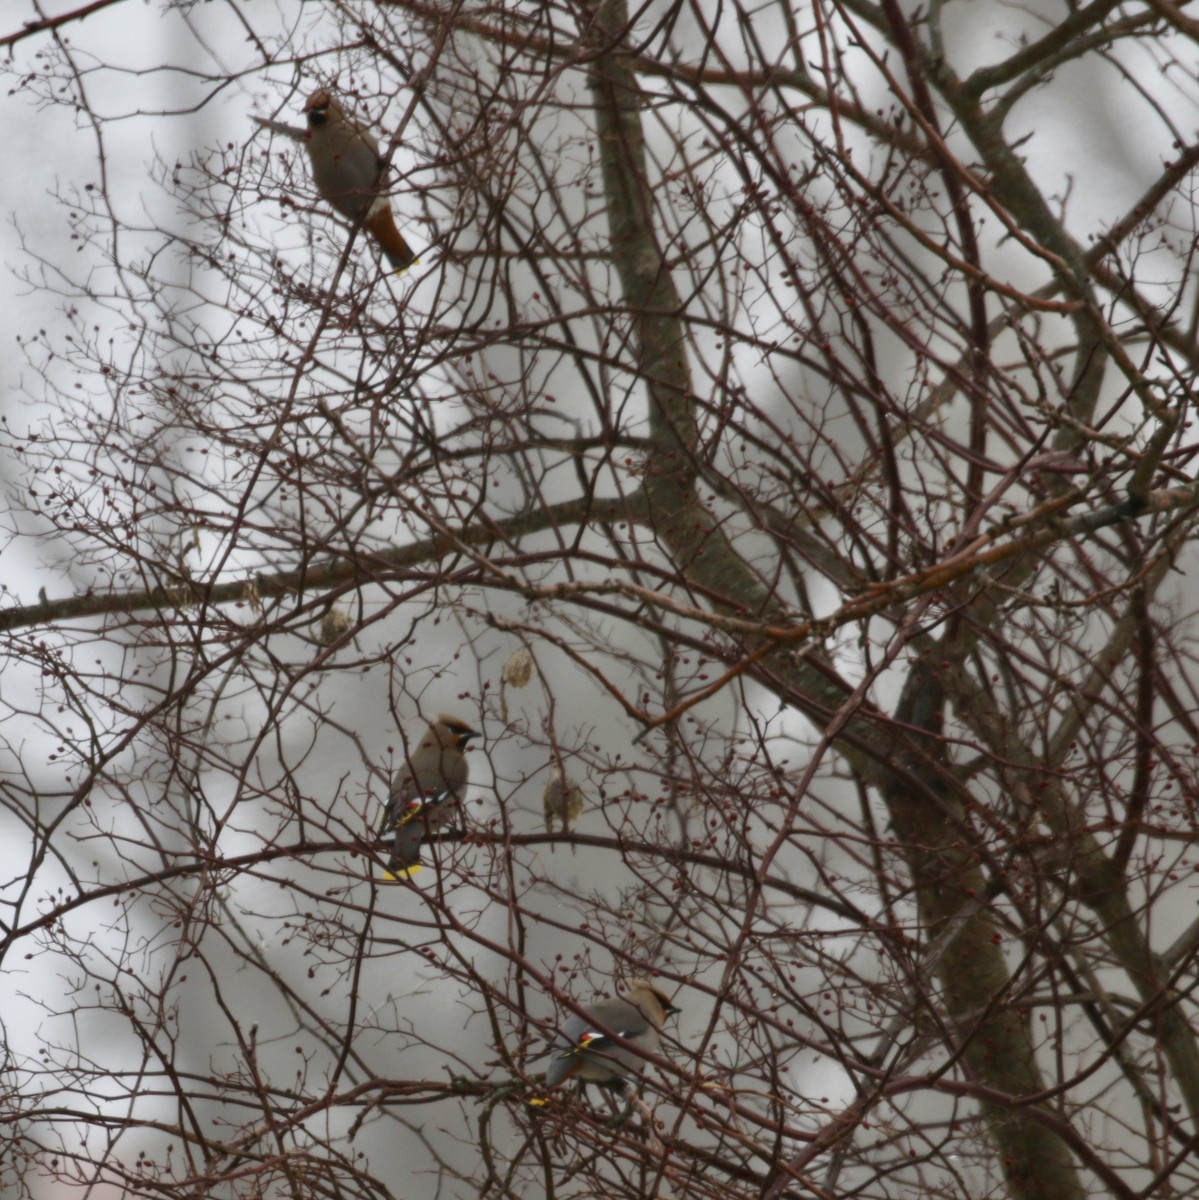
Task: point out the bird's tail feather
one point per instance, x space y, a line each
399 873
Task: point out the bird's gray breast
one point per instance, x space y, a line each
346 173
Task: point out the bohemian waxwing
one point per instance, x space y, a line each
585 1049
424 792
348 172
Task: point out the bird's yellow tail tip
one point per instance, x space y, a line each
403 873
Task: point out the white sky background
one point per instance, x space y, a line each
1094 146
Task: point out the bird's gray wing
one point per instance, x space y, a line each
411 818
405 848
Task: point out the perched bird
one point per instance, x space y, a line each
585 1049
424 791
348 172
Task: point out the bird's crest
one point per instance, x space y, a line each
317 107
461 731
